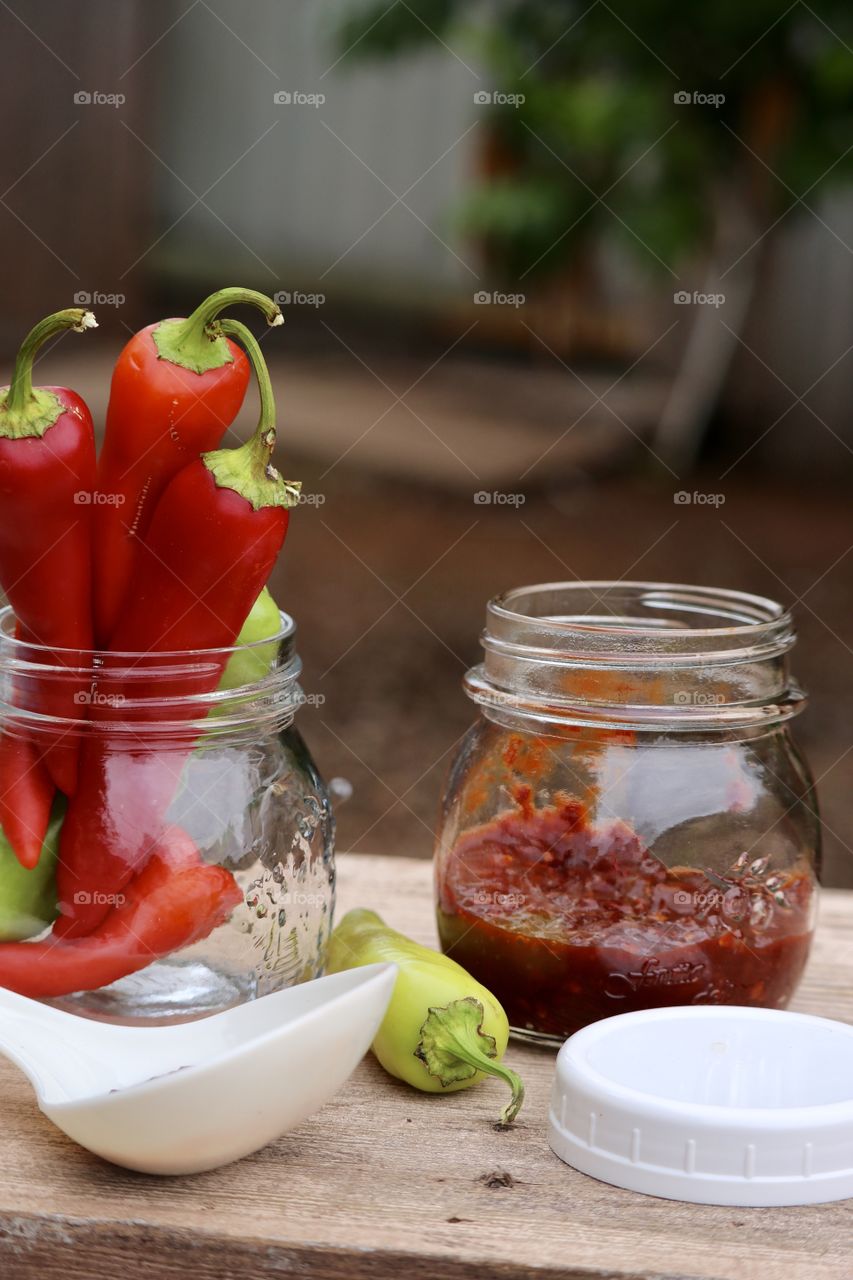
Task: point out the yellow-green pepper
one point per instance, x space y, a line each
251 661
442 1031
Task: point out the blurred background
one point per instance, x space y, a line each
568 291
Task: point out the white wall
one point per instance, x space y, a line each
299 199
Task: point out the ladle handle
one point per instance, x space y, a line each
41 1041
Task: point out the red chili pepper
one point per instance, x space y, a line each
176 388
176 900
213 541
47 474
26 796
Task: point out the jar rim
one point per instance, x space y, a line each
755 614
139 695
665 655
27 650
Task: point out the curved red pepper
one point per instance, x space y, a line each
176 900
176 388
211 546
47 474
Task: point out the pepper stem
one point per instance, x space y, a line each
197 343
453 1046
29 411
248 470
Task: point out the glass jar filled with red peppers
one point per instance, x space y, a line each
629 823
223 887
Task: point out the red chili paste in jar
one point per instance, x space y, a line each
568 922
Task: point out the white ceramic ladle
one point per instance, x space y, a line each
193 1096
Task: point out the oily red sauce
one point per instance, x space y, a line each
568 922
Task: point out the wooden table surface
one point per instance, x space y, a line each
387 1182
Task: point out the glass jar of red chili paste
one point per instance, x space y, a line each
629 824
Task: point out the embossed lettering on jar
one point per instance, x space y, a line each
629 823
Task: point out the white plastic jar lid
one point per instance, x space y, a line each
712 1104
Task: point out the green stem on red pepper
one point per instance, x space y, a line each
195 343
176 388
248 470
25 410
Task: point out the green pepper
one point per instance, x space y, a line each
249 665
28 897
442 1031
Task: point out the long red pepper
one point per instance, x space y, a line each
211 546
47 475
176 900
176 388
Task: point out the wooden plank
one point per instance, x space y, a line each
385 1181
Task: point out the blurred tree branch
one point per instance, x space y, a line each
600 113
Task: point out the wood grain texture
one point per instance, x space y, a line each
386 1182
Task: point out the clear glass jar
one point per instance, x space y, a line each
629 823
226 767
